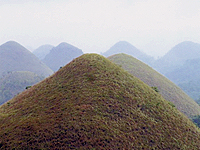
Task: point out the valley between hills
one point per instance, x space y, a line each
57 97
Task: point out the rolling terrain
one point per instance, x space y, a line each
15 57
166 88
60 55
91 103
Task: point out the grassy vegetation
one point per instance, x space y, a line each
165 87
12 83
91 103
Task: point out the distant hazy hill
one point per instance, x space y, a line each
189 71
166 88
91 103
188 77
61 55
14 57
127 48
177 56
181 65
42 51
13 83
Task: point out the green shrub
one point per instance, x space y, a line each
28 87
155 88
172 104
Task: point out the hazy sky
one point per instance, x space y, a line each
153 26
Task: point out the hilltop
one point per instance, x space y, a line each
177 56
15 57
127 48
60 55
12 83
91 103
42 51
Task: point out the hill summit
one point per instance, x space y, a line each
177 56
15 57
91 103
60 55
127 48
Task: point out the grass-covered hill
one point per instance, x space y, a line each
13 83
127 48
91 103
15 57
151 77
60 55
42 51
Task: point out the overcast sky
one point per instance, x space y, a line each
153 26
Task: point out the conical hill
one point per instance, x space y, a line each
167 89
177 56
91 103
42 51
127 48
15 57
60 55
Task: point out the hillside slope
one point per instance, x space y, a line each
151 77
127 48
13 83
15 57
60 55
91 103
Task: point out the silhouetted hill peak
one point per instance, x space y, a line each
61 55
15 57
177 56
42 51
127 48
